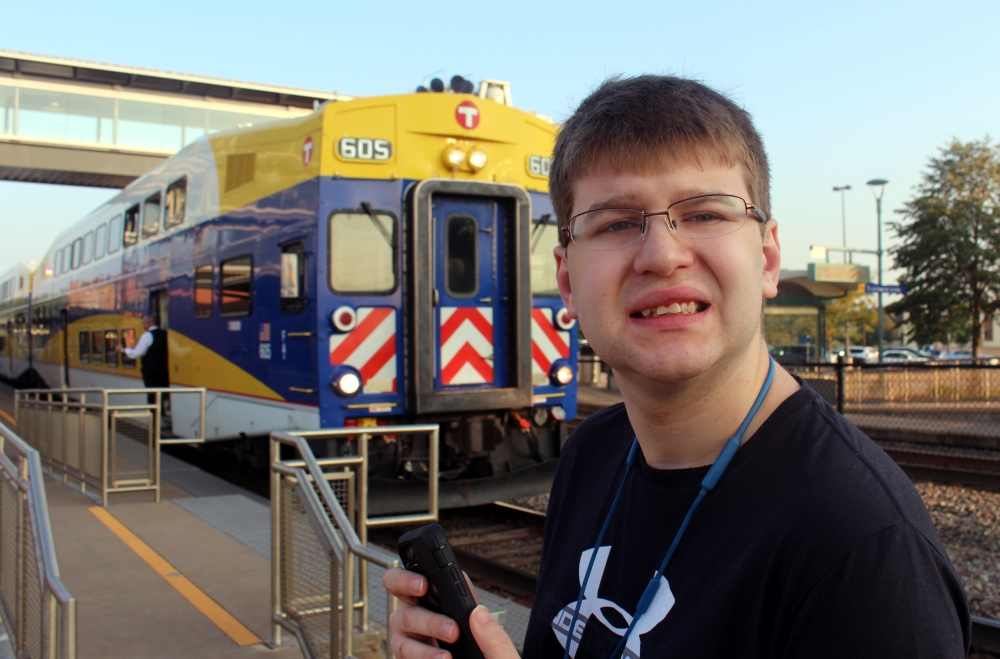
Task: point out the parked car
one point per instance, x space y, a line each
966 356
894 355
916 352
794 354
866 354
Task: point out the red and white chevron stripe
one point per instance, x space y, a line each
466 345
371 348
547 345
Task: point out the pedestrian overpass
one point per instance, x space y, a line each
74 122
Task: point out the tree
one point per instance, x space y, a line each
850 319
950 251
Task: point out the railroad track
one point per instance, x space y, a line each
968 466
499 546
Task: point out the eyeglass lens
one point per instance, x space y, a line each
697 218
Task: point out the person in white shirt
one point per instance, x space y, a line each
151 348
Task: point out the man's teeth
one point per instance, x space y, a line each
687 307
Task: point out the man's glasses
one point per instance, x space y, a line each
697 218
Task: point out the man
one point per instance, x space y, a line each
812 543
151 348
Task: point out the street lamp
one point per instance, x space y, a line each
843 216
878 189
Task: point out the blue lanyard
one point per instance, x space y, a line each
707 485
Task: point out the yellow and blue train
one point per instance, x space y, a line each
382 260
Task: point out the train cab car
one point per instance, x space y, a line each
381 261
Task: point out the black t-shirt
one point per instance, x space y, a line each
814 544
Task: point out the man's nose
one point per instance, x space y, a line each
661 251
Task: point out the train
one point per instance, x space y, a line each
380 261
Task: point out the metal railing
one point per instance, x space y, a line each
319 527
960 400
107 439
38 612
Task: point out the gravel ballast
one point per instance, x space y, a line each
966 519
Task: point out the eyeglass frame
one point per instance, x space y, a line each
758 213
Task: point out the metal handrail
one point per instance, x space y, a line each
58 618
83 400
344 540
106 394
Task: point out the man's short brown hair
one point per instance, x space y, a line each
636 124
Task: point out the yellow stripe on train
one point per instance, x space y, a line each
386 137
192 364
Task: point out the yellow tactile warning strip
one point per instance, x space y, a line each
9 418
222 619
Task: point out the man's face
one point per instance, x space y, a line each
725 278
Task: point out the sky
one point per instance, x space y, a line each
841 92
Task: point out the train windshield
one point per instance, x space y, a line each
544 236
362 252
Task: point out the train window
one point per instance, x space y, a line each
57 265
203 276
88 247
151 215
363 252
461 253
100 241
237 286
110 345
128 341
114 234
85 347
544 236
97 346
175 203
131 225
77 253
293 277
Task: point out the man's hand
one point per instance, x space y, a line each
415 631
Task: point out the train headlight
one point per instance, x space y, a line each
453 156
563 319
478 159
346 382
561 373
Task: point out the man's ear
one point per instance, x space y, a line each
772 259
562 279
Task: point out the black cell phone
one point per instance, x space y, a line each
427 552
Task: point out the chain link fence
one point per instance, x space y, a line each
942 404
38 612
106 439
319 526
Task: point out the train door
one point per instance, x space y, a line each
10 348
468 276
64 322
472 300
159 306
289 343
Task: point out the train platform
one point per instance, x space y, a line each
189 576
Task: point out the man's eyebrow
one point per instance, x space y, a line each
621 200
629 200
